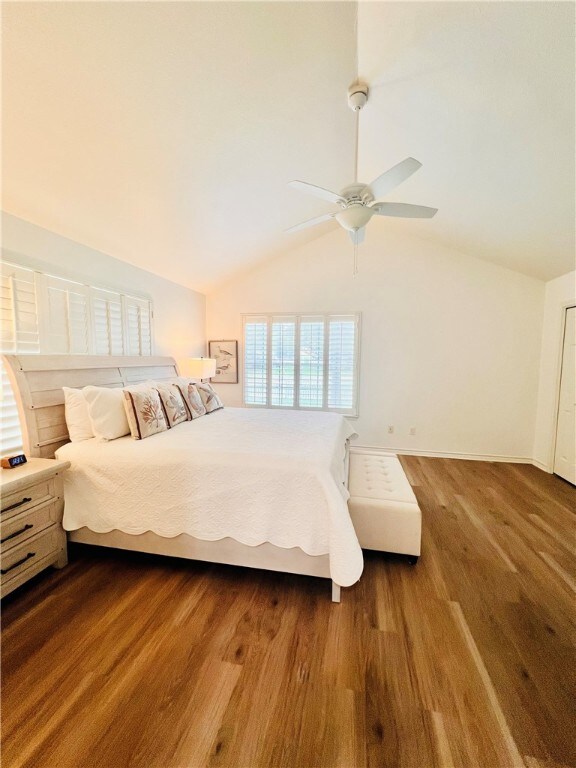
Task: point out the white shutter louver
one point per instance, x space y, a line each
341 363
11 441
19 318
311 394
107 314
283 337
19 311
256 361
138 331
58 321
79 322
67 313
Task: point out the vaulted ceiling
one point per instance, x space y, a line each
165 133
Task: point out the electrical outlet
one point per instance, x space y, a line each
390 430
412 430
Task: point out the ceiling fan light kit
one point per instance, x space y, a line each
354 216
359 202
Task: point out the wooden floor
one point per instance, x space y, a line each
465 659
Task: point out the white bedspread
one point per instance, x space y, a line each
252 475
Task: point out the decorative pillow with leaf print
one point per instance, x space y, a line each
145 412
174 406
209 397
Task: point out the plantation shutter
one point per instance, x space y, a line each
341 363
19 318
283 361
256 361
19 310
107 314
311 392
67 326
138 330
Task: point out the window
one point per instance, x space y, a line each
302 361
20 333
51 315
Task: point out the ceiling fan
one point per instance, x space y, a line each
359 202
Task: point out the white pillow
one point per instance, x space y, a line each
106 411
76 414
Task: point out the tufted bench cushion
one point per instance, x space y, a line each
382 504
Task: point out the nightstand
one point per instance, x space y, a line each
31 533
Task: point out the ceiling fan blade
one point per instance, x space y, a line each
312 189
393 177
311 222
358 236
404 210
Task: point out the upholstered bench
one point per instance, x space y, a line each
382 504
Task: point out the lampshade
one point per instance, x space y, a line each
354 217
197 367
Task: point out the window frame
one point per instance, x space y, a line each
298 317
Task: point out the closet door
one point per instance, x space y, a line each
565 456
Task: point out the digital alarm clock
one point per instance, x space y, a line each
13 461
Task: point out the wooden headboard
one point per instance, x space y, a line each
37 382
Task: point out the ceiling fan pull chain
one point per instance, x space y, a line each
355 269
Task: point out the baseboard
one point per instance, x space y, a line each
542 466
446 455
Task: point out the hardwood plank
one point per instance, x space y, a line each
511 756
444 753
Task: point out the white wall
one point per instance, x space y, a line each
559 293
450 344
179 313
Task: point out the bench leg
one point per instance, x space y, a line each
335 592
412 559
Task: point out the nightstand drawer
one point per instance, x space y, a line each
30 552
14 503
27 524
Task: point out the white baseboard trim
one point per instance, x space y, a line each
445 454
542 466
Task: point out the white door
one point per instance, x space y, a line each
565 456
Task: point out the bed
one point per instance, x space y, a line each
253 487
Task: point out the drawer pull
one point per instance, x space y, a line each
25 500
17 533
17 563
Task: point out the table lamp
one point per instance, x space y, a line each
198 367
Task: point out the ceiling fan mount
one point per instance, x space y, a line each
357 96
358 202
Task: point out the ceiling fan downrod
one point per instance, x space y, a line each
357 98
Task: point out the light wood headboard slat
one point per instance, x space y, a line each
60 439
69 362
50 416
142 374
37 382
50 397
40 381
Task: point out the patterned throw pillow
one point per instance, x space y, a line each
145 412
209 397
174 406
191 397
